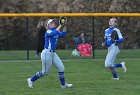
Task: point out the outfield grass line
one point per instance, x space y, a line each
2 61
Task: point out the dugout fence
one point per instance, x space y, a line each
14 49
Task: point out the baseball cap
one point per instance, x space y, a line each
50 21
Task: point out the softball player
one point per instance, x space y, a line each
113 38
48 55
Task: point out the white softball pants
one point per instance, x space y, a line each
48 58
113 51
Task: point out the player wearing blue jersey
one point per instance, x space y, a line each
113 38
49 56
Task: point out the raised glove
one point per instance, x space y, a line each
62 20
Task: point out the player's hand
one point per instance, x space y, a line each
62 21
113 41
103 44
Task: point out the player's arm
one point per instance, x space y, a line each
103 43
59 27
114 36
63 33
119 38
51 33
54 32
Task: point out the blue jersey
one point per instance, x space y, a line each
51 38
110 37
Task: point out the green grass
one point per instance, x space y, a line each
65 54
88 76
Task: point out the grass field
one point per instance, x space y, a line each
88 76
65 54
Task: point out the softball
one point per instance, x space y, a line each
62 20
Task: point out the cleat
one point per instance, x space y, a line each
124 67
115 78
30 83
66 85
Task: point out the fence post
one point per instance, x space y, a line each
27 38
93 45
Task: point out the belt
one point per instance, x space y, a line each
114 44
50 50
